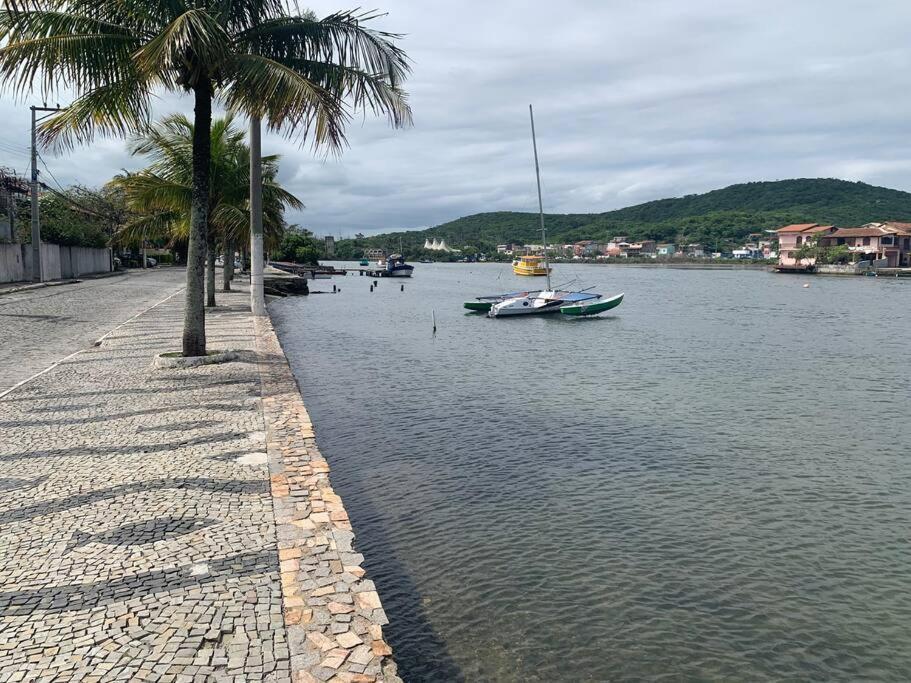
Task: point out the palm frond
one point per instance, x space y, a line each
147 192
231 221
55 49
148 226
295 102
365 91
192 47
115 109
340 38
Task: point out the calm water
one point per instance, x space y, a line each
713 483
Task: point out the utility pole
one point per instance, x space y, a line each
257 297
37 275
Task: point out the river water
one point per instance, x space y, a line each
712 482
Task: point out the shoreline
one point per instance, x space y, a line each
684 265
333 613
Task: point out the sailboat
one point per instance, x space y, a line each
549 300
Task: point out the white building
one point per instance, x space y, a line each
436 245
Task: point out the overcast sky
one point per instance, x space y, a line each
634 101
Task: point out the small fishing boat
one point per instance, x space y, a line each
396 266
531 266
365 262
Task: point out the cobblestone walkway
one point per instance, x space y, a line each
137 538
138 534
41 326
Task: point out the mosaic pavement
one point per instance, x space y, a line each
138 536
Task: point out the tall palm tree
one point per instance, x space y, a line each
300 74
160 197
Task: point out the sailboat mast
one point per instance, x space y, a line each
534 144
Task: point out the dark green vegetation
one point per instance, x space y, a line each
298 246
720 219
75 217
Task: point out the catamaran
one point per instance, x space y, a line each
547 300
484 303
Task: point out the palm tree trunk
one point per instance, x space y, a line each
210 276
194 325
228 267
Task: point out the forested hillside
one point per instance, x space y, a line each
720 218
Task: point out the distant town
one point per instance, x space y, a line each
799 247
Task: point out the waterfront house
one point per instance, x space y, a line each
695 251
647 247
889 243
665 249
583 248
792 237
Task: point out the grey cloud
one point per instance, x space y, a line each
633 101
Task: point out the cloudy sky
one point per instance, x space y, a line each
634 101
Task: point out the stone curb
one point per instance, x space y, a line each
162 361
333 614
57 283
36 285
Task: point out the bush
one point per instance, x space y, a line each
299 246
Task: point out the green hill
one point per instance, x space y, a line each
720 218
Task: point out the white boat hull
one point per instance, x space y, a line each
536 304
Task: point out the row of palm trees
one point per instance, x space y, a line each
303 76
159 198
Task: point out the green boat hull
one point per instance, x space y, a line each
479 306
593 308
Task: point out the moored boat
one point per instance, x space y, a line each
593 308
396 266
531 265
484 303
548 300
536 303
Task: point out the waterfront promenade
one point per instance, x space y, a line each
166 524
41 326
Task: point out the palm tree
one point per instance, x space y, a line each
298 73
161 196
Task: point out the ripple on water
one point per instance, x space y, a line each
710 484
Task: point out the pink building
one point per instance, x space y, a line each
792 237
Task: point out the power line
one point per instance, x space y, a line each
66 197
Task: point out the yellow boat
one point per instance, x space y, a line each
530 265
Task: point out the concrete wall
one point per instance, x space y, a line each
12 264
57 262
84 261
838 269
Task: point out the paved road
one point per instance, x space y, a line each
40 326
